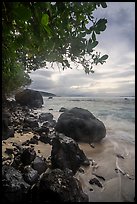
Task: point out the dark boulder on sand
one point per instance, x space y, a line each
81 125
14 188
59 186
29 97
67 154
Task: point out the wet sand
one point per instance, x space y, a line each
112 160
45 149
115 163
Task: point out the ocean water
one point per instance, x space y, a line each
117 113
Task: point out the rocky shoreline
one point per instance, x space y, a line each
28 177
42 165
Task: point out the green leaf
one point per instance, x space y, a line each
83 34
22 13
100 26
48 30
90 41
88 31
91 46
45 20
103 4
104 57
93 36
94 44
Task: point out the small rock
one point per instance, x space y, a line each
45 117
30 122
43 138
62 109
30 175
33 141
39 164
118 170
42 129
17 161
26 143
93 162
101 177
86 163
96 181
81 170
50 97
92 145
9 150
28 156
50 108
26 129
120 156
19 147
36 137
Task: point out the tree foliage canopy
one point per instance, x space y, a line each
35 33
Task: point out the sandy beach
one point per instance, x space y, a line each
112 161
115 163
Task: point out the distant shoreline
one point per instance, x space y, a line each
92 96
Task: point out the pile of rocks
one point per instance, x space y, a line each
31 178
17 118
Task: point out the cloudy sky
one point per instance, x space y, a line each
116 77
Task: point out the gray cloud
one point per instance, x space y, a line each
120 26
118 72
116 77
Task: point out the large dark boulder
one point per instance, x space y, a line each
29 97
59 186
67 154
81 125
14 188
